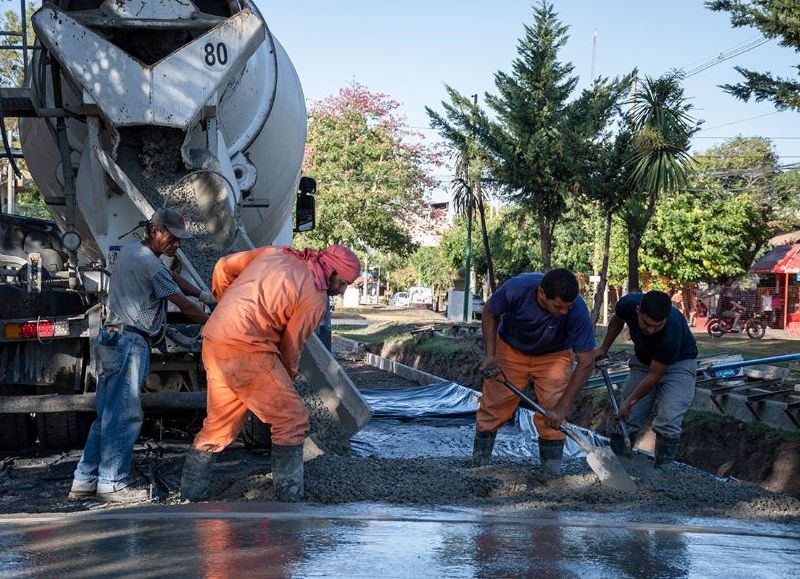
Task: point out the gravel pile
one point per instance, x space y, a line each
521 485
324 428
152 161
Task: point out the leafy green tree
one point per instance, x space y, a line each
371 180
515 244
29 200
658 158
714 230
431 269
774 19
12 65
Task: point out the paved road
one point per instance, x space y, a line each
230 539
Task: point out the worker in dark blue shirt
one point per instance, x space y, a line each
531 327
663 369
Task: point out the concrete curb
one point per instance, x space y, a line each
405 372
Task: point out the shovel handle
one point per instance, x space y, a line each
615 406
529 403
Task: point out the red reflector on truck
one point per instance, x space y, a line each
33 329
39 329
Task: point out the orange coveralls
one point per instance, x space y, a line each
550 374
267 307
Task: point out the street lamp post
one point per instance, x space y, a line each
469 255
469 228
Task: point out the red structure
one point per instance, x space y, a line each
784 262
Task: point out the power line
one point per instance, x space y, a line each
723 56
739 121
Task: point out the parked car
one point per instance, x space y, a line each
400 299
420 297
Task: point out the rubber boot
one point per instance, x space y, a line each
666 449
196 478
550 455
287 472
482 448
617 442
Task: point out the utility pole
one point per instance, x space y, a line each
378 287
365 298
470 203
594 55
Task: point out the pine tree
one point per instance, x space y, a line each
530 139
775 19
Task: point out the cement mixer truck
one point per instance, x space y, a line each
128 106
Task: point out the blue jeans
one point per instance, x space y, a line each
674 394
124 360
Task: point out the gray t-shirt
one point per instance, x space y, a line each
140 284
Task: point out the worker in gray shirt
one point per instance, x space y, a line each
140 287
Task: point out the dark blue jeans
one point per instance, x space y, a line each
124 360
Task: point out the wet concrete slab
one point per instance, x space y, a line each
376 540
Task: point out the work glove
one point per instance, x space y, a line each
206 297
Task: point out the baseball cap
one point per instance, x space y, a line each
172 221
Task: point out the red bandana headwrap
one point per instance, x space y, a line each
323 263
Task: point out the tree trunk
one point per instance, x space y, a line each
545 242
601 287
485 235
633 253
688 300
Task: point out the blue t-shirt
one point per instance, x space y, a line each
526 327
673 343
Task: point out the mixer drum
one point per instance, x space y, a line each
261 117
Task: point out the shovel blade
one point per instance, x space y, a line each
609 470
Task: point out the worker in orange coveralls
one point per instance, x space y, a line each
270 300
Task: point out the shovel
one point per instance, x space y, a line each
602 461
602 365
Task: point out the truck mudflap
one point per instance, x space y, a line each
57 366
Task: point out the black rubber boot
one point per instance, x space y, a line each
197 469
666 450
618 442
550 452
482 448
287 472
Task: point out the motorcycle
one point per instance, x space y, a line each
755 328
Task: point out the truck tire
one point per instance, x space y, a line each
63 430
255 434
17 431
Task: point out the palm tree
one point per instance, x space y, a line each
659 157
468 196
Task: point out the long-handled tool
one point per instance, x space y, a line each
602 461
602 365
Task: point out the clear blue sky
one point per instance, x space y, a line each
409 49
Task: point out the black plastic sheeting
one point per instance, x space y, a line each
439 421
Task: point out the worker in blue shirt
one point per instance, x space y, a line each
663 369
532 326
